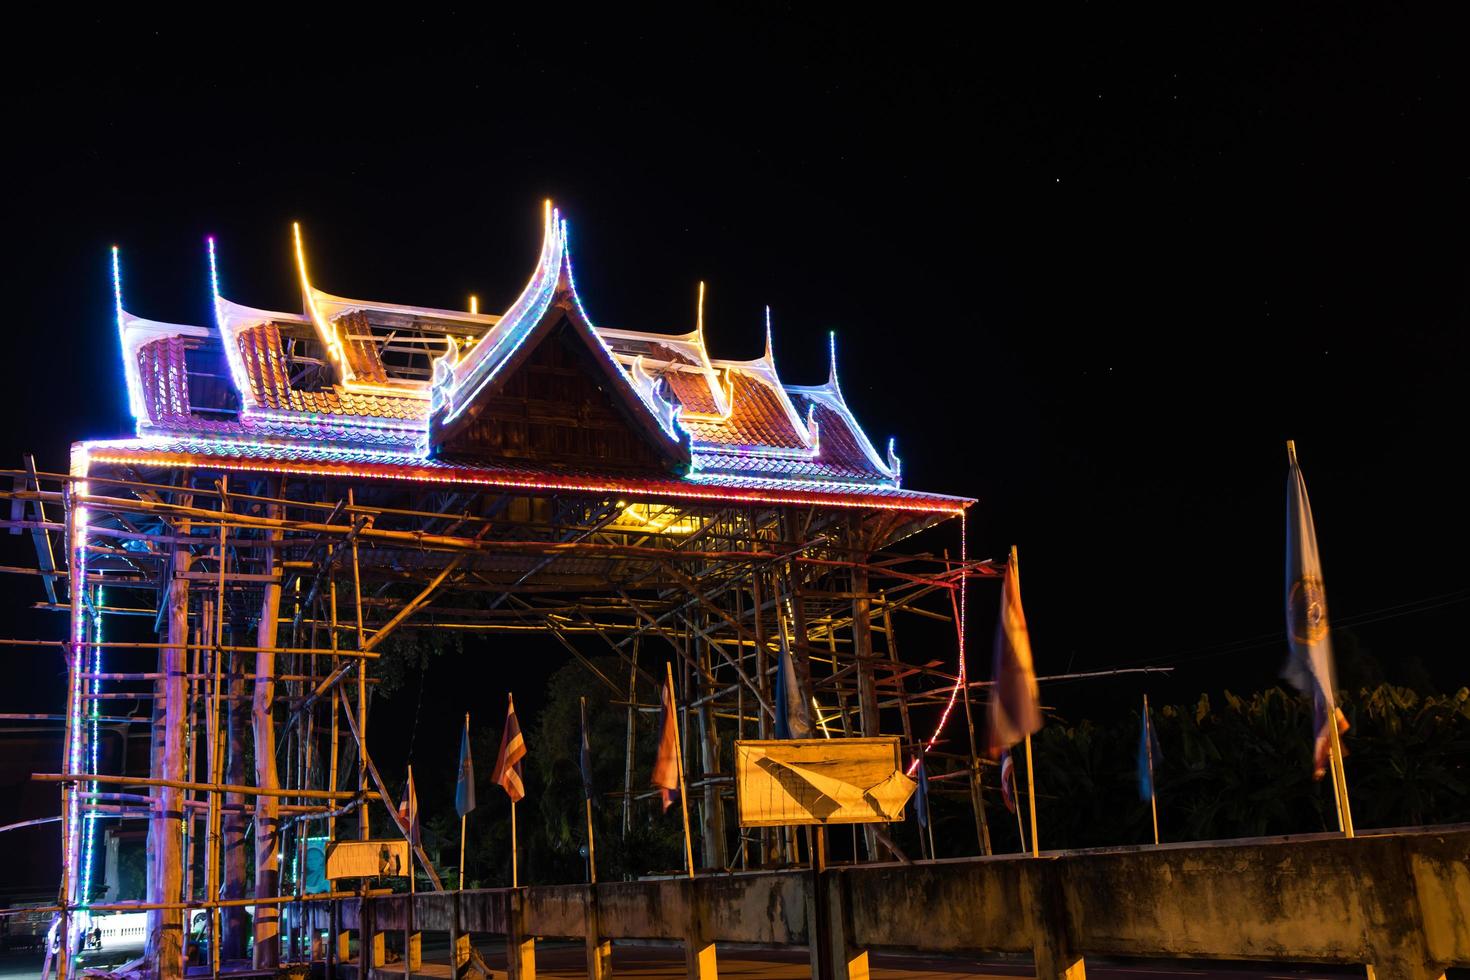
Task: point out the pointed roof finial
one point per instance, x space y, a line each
117 285
770 356
832 367
699 315
213 267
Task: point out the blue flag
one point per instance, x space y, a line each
464 789
1149 756
792 718
584 758
1309 667
921 799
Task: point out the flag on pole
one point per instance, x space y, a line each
1149 756
464 789
408 811
584 759
921 798
793 719
1309 666
507 771
1015 702
666 763
1007 781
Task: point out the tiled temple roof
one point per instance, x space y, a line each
315 388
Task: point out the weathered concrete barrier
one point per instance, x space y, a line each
1399 902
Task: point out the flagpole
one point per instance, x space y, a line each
1020 825
1339 778
413 808
1031 795
1148 748
683 796
464 816
591 846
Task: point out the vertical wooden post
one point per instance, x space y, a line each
683 791
977 798
763 684
267 808
166 937
628 741
712 833
335 735
862 651
1148 748
1031 796
362 760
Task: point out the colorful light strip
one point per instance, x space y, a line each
783 492
136 403
328 333
77 575
89 832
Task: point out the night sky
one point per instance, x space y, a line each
1091 272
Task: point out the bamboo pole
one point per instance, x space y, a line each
591 843
267 829
1031 797
361 731
336 702
1339 774
628 741
977 797
463 817
1148 749
183 784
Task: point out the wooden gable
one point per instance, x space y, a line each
553 408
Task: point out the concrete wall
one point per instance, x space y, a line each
1400 902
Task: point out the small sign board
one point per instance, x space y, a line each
367 859
786 782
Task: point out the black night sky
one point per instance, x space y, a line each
1092 272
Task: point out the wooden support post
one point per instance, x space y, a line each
166 933
628 743
336 939
235 924
862 651
712 833
267 948
977 798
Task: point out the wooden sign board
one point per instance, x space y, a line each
788 782
367 859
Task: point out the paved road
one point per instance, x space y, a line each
564 962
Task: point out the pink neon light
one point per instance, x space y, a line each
781 494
